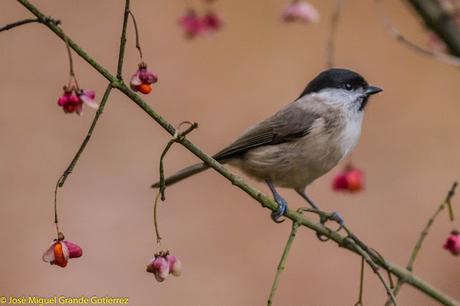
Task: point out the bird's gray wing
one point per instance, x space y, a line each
290 123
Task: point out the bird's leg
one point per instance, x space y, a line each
282 204
302 193
334 216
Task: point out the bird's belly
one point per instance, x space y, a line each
297 164
290 164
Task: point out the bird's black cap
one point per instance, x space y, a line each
335 78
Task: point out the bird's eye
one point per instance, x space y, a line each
348 86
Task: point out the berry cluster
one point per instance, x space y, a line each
452 243
143 79
350 179
164 264
60 251
195 25
73 98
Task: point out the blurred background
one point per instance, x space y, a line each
229 247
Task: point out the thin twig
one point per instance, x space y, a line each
282 263
387 288
56 221
425 231
372 258
136 29
361 285
70 167
75 159
177 135
162 188
105 97
377 258
423 235
155 219
330 47
448 200
69 53
265 201
390 280
440 56
374 267
18 23
121 52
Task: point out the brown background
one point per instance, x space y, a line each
409 149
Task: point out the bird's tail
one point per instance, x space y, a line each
182 174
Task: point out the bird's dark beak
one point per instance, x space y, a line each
372 90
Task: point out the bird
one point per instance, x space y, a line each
303 140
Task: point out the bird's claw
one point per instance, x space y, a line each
337 218
332 217
282 207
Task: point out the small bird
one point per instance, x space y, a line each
302 141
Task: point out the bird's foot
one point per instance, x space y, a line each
282 207
334 216
323 216
323 219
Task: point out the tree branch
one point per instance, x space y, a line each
75 159
361 285
437 55
161 191
235 180
18 23
443 24
423 235
121 53
101 107
282 262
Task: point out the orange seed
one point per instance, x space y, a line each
145 88
59 258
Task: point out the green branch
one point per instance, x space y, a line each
121 53
100 110
282 262
75 159
18 23
424 234
361 285
341 240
